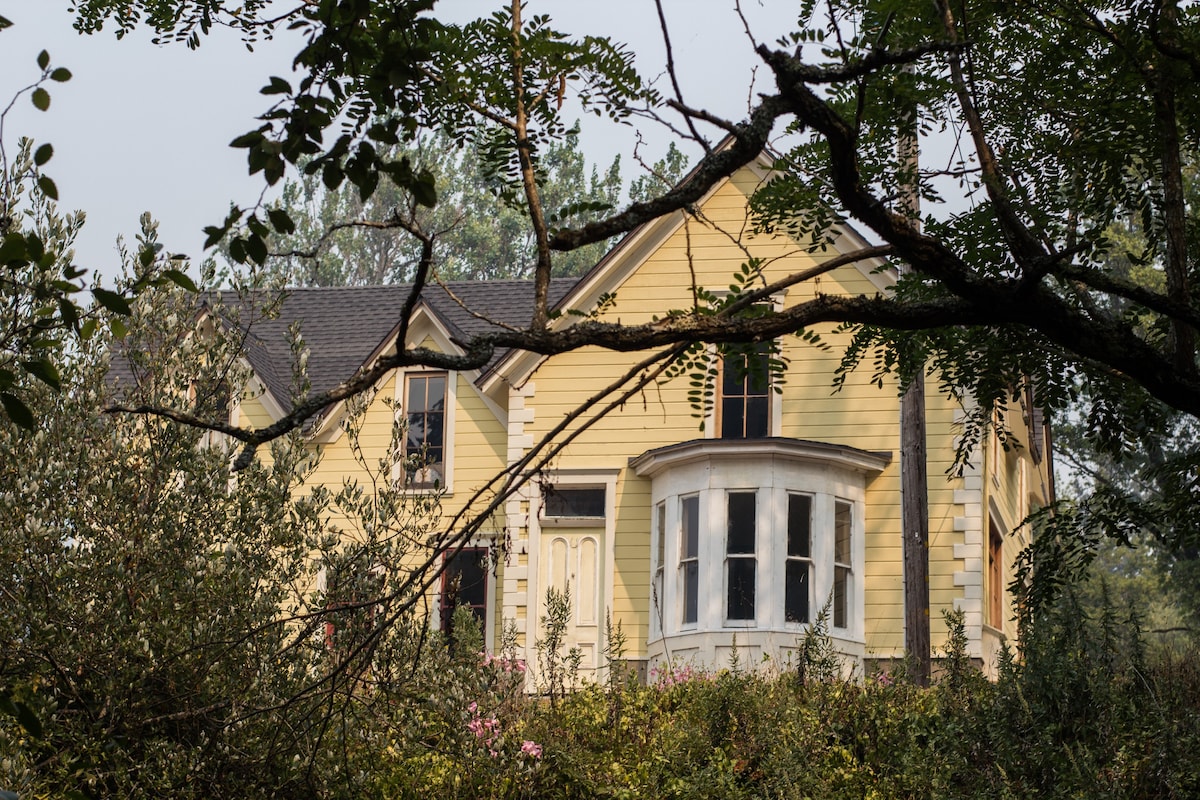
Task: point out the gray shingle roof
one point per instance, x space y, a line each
343 326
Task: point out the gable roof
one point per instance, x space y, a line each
344 327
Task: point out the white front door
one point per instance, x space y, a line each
571 562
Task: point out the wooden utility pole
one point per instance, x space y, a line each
914 479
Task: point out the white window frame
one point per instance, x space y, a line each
752 556
401 399
659 568
845 566
686 559
808 562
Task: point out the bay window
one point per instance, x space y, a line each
760 534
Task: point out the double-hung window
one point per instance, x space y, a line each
842 566
798 566
745 402
425 439
689 559
740 560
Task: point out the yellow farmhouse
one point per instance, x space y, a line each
693 527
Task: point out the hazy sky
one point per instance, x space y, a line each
146 128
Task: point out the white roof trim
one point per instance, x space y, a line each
652 462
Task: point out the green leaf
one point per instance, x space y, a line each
43 154
118 328
48 187
17 411
237 249
88 330
5 22
332 175
113 301
248 139
277 86
213 235
44 370
25 715
12 250
180 279
256 247
281 220
41 99
424 189
61 75
43 60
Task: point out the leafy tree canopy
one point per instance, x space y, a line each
481 226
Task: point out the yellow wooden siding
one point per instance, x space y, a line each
861 416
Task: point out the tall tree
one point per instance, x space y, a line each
478 222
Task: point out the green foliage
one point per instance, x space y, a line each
41 312
558 661
162 632
481 226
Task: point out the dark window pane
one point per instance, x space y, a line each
690 546
464 583
757 412
799 525
841 577
734 375
741 522
435 393
691 591
575 502
733 422
741 588
758 376
795 604
841 530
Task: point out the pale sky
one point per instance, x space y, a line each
146 128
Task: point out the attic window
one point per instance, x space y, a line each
425 439
745 384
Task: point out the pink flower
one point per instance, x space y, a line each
474 707
531 748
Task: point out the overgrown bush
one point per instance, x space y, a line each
1082 713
